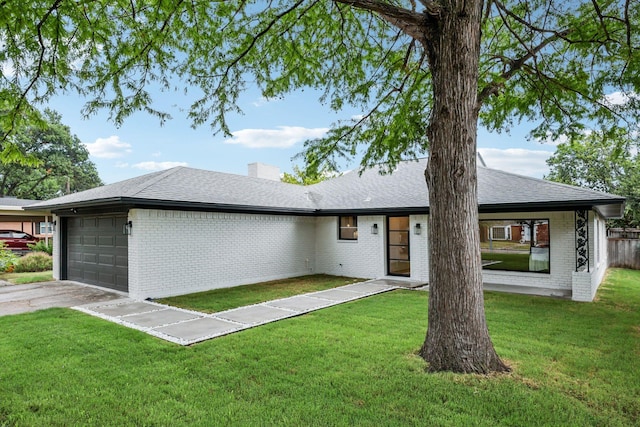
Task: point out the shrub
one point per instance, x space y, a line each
34 262
42 246
7 258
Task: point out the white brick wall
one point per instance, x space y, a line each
56 248
366 257
419 248
581 286
177 252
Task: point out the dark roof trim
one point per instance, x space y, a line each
547 206
424 210
132 203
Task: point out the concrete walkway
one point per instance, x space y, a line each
187 327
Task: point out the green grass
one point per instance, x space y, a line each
23 278
505 244
239 296
508 261
574 364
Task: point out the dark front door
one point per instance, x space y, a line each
398 262
97 251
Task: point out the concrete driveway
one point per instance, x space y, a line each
16 299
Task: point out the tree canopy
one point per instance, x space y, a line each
546 62
424 74
60 162
301 176
602 162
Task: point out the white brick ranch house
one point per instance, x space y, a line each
185 230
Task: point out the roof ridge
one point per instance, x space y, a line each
155 179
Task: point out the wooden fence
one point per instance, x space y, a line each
624 233
624 253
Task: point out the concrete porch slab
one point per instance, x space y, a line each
400 282
368 287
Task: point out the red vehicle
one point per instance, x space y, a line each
17 241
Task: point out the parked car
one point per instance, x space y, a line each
17 241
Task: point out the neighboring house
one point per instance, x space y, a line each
185 230
13 217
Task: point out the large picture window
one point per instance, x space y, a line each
348 228
515 245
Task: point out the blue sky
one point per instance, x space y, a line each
270 131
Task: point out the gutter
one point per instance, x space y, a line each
125 203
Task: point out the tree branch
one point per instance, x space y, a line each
410 22
515 65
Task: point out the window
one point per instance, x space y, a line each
348 228
45 228
501 233
515 245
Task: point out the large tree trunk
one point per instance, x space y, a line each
457 336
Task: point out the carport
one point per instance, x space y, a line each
14 217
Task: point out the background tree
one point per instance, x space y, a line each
301 176
602 162
425 73
61 165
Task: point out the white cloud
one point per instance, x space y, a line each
619 98
282 137
517 160
122 165
158 166
156 154
260 102
7 69
109 148
555 142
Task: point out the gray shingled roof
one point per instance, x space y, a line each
12 201
402 191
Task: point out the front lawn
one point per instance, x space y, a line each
574 364
239 296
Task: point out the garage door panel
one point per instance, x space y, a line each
106 278
106 241
122 241
91 258
97 251
106 259
89 276
122 261
74 240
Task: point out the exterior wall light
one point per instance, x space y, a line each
53 225
126 229
374 229
417 229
